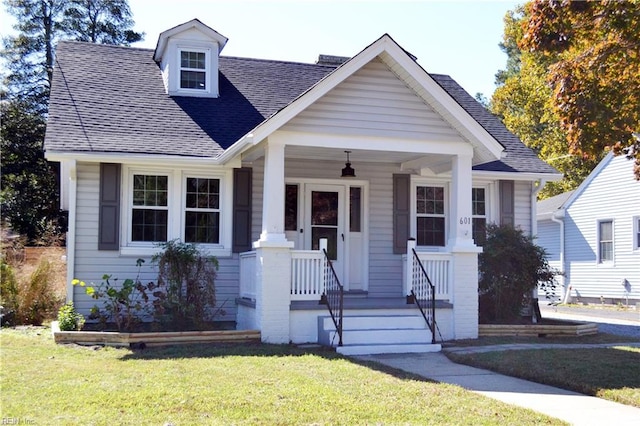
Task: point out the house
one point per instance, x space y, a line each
246 158
592 234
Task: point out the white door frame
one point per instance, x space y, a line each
300 238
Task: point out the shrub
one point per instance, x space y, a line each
8 294
123 304
36 297
510 266
69 319
186 295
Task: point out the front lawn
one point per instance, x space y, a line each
45 383
610 373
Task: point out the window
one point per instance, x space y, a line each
150 212
605 241
479 215
355 209
202 211
636 233
188 205
430 216
193 70
291 208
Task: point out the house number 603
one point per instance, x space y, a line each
465 220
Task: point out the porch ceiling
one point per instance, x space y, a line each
409 161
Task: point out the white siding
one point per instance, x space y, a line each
522 206
91 264
374 102
613 194
549 238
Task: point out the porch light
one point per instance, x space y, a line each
348 171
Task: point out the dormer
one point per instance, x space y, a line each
188 57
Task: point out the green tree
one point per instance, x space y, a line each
101 21
29 197
523 101
594 51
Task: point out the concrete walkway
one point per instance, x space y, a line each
572 407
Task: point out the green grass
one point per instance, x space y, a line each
45 383
610 373
501 340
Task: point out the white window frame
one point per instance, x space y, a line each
636 233
127 214
206 70
176 209
415 183
487 206
219 210
599 259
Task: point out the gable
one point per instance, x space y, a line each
612 180
373 102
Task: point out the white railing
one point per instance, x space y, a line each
438 267
307 280
248 275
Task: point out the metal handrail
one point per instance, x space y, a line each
333 296
428 312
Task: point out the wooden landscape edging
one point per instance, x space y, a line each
528 330
162 338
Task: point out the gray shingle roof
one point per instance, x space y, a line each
550 205
519 158
112 99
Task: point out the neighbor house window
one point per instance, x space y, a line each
202 211
150 212
636 233
479 215
605 241
430 216
193 70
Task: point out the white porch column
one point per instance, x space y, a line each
273 254
464 251
460 226
273 199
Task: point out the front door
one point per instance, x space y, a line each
325 219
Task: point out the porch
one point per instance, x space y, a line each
368 324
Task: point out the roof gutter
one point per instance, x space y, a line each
238 147
124 157
527 176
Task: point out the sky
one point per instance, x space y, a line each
456 37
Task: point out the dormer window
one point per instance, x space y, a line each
188 56
193 70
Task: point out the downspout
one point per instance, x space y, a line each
536 186
71 232
558 217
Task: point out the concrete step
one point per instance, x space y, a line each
366 322
386 336
387 349
378 334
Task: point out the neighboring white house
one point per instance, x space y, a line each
246 158
592 234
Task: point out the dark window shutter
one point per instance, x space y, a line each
401 213
109 210
507 203
242 187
